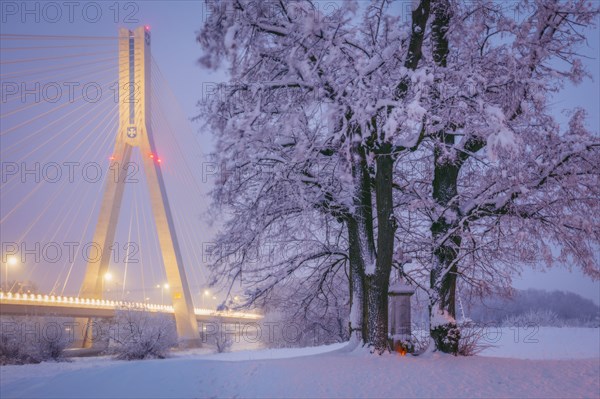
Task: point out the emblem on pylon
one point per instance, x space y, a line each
132 132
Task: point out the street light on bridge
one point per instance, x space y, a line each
163 287
204 294
108 277
10 261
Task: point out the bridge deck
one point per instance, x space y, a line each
49 305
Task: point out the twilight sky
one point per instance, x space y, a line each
173 25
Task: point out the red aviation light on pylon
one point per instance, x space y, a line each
111 158
155 157
147 28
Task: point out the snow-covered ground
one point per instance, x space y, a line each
565 362
544 343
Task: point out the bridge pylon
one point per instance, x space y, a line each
135 130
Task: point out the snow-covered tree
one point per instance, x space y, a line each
304 117
352 133
507 183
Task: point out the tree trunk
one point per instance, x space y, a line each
445 251
361 243
371 270
386 227
358 308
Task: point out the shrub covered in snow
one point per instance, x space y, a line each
217 340
140 334
444 332
12 352
32 340
472 339
446 337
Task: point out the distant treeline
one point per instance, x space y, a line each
542 307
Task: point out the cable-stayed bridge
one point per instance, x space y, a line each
101 201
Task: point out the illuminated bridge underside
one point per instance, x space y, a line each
43 305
